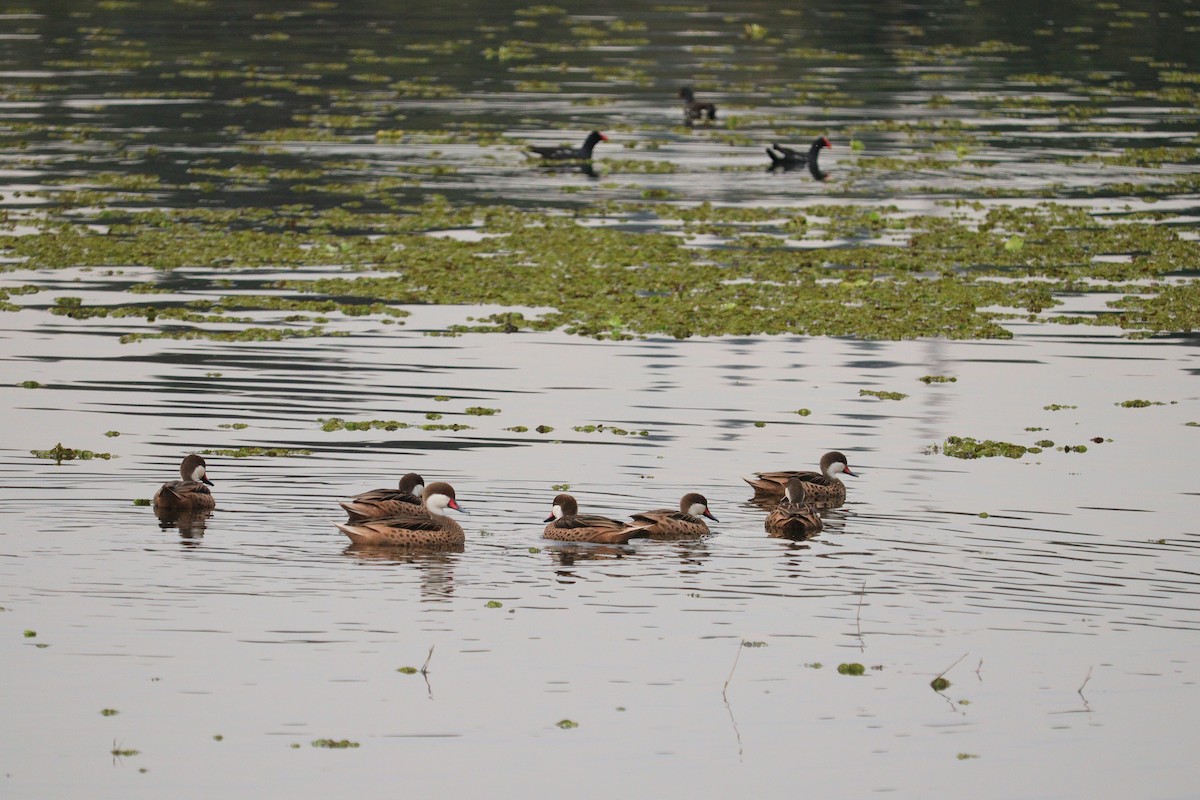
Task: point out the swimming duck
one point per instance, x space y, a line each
568 525
406 499
823 489
432 529
189 494
562 153
667 523
693 109
788 158
793 518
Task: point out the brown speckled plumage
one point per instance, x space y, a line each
189 494
684 523
566 524
823 489
794 518
432 530
379 503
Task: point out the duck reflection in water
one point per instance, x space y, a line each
190 524
435 567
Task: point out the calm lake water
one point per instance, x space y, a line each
1057 592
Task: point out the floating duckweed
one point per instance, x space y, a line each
851 669
1139 403
407 670
1192 424
30 385
1074 448
937 379
112 434
939 684
1044 443
966 756
337 424
517 429
217 737
480 411
1056 407
813 665
433 415
760 424
966 447
881 395
437 426
141 501
746 643
60 454
109 712
441 398
804 412
237 426
561 487
567 724
250 452
543 429
121 752
535 550
984 515
30 634
493 604
1035 429
334 744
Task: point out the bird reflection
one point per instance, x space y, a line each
566 168
436 567
190 524
568 555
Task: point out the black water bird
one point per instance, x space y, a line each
563 153
787 158
694 110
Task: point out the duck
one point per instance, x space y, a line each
432 530
568 525
189 494
405 499
563 153
823 489
693 109
788 158
794 518
667 523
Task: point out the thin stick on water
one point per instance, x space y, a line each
724 696
952 666
725 688
425 666
1085 683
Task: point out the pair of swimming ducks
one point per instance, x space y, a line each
414 514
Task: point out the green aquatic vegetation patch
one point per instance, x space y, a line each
59 454
927 379
334 744
332 424
966 447
254 452
942 275
1139 403
881 395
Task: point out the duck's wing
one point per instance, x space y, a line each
576 521
656 515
